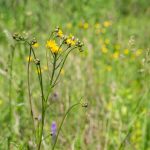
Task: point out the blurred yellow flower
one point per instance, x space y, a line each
138 52
109 68
104 49
60 33
115 55
126 51
97 25
85 25
70 42
109 106
29 59
36 45
45 68
51 44
107 23
69 25
107 41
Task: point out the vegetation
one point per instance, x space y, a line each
74 75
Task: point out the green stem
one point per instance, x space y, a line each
63 122
29 91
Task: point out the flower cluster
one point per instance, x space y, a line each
69 41
52 45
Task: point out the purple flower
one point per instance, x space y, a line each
53 128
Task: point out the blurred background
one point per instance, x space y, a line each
112 73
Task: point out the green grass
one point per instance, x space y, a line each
115 84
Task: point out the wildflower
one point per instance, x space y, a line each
109 68
60 33
69 25
109 106
35 45
85 25
138 52
29 59
45 68
53 130
107 41
107 23
104 49
97 25
126 51
70 41
115 55
52 45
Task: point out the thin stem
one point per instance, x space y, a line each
29 90
53 71
62 66
63 122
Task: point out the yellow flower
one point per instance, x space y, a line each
86 25
115 55
36 45
104 49
69 25
109 68
52 45
109 106
70 42
126 51
60 33
138 52
107 23
29 59
97 25
107 41
45 68
117 46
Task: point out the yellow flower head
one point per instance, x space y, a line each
97 25
36 45
70 41
107 41
115 55
138 52
104 49
85 25
52 45
126 51
109 68
60 33
69 25
107 23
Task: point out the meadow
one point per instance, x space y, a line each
74 75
